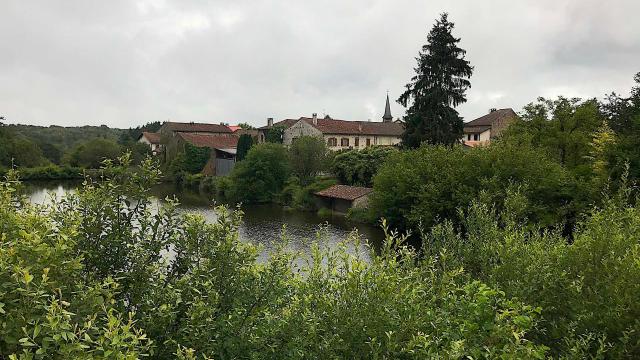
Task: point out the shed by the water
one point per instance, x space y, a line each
340 198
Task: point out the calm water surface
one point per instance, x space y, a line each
262 224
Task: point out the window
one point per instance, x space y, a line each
476 137
469 137
368 142
357 142
332 142
344 142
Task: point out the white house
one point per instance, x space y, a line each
151 139
345 134
486 128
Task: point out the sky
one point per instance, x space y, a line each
123 63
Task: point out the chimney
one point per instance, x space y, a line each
315 119
492 110
269 122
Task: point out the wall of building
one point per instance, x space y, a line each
299 129
485 137
302 128
362 141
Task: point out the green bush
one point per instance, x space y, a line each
358 167
86 278
92 154
414 189
587 289
261 176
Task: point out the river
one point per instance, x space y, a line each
262 224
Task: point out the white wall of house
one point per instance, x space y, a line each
471 139
144 140
349 141
342 141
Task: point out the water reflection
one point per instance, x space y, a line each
262 224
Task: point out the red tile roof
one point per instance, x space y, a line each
286 123
210 140
196 127
153 138
327 125
492 117
234 128
345 192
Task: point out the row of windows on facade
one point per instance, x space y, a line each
476 137
332 142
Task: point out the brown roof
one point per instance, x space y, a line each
345 192
196 127
492 117
327 125
153 138
287 123
210 140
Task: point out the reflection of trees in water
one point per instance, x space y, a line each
262 224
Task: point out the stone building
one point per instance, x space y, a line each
151 139
488 127
341 198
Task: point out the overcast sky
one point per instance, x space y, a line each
123 62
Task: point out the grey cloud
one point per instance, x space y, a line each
123 63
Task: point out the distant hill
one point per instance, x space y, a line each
65 138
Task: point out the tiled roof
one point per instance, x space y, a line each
234 128
476 129
210 140
196 127
492 117
286 123
153 138
345 192
328 125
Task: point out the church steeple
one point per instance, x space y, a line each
387 112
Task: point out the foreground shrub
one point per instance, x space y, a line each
102 271
588 290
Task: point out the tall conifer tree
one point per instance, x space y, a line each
437 88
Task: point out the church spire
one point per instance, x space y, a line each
387 111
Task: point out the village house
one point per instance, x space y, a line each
151 139
341 134
223 150
488 127
341 198
169 130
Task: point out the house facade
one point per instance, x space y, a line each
488 127
151 139
223 150
344 134
170 130
340 134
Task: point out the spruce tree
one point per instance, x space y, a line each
437 88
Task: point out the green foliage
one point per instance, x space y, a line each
587 289
261 176
437 88
213 298
73 272
48 307
414 189
18 150
562 127
275 133
66 138
308 155
246 126
302 197
195 158
358 167
245 142
93 153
